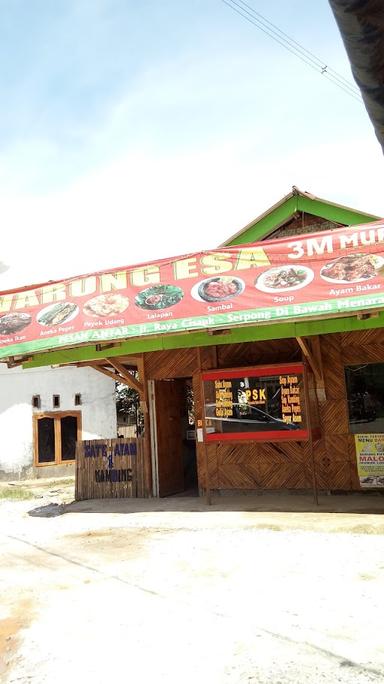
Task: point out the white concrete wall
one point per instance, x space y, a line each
17 388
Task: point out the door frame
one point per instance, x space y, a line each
153 435
160 483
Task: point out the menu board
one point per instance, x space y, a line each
290 399
265 403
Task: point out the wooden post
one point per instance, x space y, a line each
144 401
311 350
310 441
205 449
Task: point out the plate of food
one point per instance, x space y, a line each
54 314
283 278
217 289
14 322
106 305
352 269
159 297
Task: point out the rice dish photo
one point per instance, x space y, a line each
106 305
348 269
14 322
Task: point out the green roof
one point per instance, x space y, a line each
286 208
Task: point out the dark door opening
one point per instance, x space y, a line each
175 437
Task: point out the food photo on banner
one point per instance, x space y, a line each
324 274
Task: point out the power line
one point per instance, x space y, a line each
313 58
306 56
293 46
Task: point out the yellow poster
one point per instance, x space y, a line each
370 459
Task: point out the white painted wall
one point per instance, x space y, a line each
17 387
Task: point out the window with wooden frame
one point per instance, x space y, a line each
55 437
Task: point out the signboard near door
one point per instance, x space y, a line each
110 469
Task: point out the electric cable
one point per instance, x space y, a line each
319 62
295 48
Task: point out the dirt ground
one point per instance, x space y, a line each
253 589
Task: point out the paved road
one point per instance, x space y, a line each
128 595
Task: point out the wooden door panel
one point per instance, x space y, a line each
170 406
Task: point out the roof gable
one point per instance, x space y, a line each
291 206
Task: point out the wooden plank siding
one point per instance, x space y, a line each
255 466
87 486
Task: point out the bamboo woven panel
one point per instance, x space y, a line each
374 353
257 353
282 465
180 363
282 475
208 357
334 416
283 452
361 338
334 475
236 355
229 453
109 469
336 447
243 476
254 465
333 369
212 465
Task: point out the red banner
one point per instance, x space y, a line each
322 274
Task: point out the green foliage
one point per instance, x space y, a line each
127 399
128 404
15 493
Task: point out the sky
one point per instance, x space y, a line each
131 131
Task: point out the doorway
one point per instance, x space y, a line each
173 437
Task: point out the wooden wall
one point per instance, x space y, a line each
280 465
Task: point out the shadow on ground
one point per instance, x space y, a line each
283 502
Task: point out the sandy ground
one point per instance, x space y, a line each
252 589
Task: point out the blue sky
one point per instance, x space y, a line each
136 130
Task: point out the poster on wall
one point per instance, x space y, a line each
370 459
266 403
333 273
